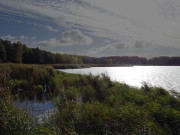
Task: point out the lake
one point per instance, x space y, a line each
167 77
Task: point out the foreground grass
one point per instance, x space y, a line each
16 121
95 105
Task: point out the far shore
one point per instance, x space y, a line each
79 66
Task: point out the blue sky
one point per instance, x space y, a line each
94 27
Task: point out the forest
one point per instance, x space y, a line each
20 53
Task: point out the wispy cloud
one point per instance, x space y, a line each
107 41
139 48
51 28
111 46
149 20
9 37
24 37
33 38
69 38
47 27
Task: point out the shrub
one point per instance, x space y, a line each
14 121
21 84
38 88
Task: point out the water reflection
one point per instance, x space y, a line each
37 104
167 77
34 107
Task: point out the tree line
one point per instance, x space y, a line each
20 53
135 60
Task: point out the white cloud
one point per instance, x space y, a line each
110 47
107 41
115 46
139 48
69 38
9 37
51 28
148 20
33 38
24 37
47 43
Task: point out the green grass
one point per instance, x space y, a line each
95 105
16 121
26 79
13 120
89 104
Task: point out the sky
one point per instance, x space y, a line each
97 28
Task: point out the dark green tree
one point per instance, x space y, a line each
2 52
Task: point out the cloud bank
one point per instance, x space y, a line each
51 28
9 37
139 48
69 38
22 38
149 20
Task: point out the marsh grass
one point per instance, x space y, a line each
13 120
30 79
113 108
89 104
17 121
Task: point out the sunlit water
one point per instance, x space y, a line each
167 77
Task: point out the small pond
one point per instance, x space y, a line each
40 107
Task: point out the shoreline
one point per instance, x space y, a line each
79 66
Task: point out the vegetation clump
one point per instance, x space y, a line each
21 78
96 105
87 104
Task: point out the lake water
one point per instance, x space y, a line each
167 77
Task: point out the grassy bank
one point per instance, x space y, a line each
89 104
